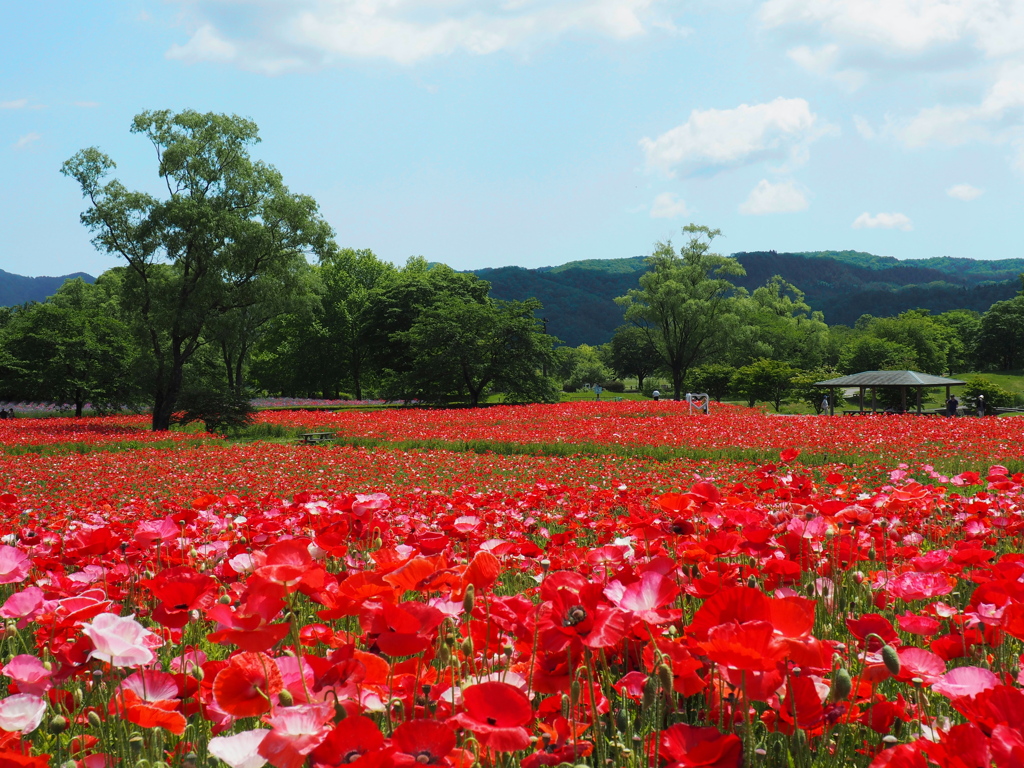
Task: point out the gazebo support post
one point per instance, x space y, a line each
862 399
874 408
903 398
918 401
831 401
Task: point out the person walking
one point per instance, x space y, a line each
656 395
824 404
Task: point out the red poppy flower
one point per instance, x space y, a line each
246 687
180 590
496 713
355 739
687 746
751 646
427 742
576 614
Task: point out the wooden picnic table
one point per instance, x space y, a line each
312 438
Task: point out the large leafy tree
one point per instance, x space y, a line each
72 349
632 353
685 303
462 348
1001 339
225 235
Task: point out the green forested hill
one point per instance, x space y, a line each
17 289
579 304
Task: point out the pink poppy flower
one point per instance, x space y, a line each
120 640
296 731
965 681
14 564
22 712
24 605
29 673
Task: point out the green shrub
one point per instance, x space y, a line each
615 386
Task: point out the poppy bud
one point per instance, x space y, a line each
79 697
751 581
469 600
650 692
285 698
58 724
574 692
94 719
444 655
665 677
190 760
467 647
565 706
891 659
224 599
842 685
621 720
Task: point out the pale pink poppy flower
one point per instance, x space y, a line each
296 731
22 712
14 564
240 750
120 640
965 681
29 673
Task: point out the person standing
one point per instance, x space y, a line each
981 405
824 404
656 395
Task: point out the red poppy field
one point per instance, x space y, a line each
246 604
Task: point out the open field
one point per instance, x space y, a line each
605 584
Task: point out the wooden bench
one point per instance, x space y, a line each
314 438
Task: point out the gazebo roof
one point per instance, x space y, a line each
890 379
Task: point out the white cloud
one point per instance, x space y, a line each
784 197
206 44
783 128
883 221
17 104
279 35
993 120
667 205
864 128
901 26
822 63
964 192
27 140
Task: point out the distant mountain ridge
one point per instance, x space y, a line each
18 289
579 297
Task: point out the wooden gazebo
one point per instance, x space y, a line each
902 380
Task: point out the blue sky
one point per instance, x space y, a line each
536 132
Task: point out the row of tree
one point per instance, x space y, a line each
231 283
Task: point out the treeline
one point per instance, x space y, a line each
233 285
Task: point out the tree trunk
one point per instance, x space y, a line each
166 398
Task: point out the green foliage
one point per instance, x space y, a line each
764 380
631 354
580 367
72 350
995 395
1001 337
221 410
713 379
804 390
227 239
685 304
